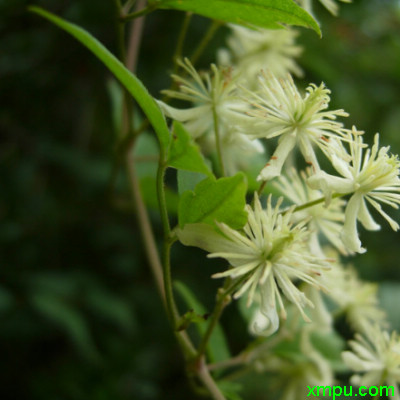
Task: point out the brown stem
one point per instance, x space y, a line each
145 226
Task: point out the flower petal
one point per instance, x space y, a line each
349 234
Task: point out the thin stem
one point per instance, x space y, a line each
204 42
145 226
144 11
218 141
208 381
231 362
135 39
161 195
318 201
261 188
168 289
120 30
223 299
181 39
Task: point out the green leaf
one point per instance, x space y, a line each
184 153
230 389
221 200
262 13
69 319
146 155
389 298
112 308
188 180
330 345
127 79
217 349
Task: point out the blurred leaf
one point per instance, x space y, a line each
188 180
146 155
389 296
230 389
262 13
6 299
184 153
127 79
111 308
221 200
217 348
69 320
330 345
116 99
58 284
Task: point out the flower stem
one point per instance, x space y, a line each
223 299
181 39
317 201
208 381
204 42
261 188
218 141
161 194
144 11
145 226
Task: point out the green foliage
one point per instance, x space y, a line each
68 319
188 180
56 214
389 299
330 345
221 200
262 13
127 79
184 153
217 348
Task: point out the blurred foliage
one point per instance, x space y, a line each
80 316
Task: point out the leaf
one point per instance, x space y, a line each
217 349
188 180
111 308
146 155
261 13
221 200
330 345
127 79
69 319
6 299
389 298
184 153
230 389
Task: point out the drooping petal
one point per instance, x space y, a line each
349 234
366 219
275 164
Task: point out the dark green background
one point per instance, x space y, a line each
79 315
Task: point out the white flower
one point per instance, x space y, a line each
378 356
300 365
356 298
205 92
268 256
371 177
280 110
327 221
211 94
250 50
239 151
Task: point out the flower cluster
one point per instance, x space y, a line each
377 355
268 256
289 250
